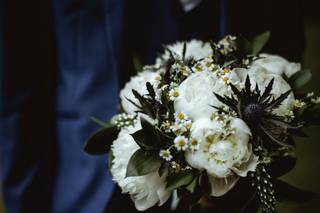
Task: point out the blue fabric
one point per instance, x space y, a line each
88 37
1 54
223 18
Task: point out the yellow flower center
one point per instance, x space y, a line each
180 116
226 70
194 142
175 94
226 79
181 143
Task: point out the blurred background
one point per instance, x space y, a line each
306 174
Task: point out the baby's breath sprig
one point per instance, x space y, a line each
124 120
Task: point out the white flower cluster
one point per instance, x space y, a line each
218 143
124 120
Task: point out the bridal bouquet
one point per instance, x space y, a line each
210 124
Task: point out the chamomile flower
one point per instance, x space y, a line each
166 154
180 116
187 124
181 143
178 128
194 144
165 126
174 94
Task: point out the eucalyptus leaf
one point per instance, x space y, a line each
143 162
259 42
299 79
244 47
140 139
182 178
137 63
99 143
193 185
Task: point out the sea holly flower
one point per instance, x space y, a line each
257 109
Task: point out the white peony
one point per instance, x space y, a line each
137 83
196 96
223 157
195 48
262 77
277 65
146 191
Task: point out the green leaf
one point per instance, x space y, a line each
288 193
205 183
101 123
299 79
137 63
148 137
193 185
243 45
143 162
259 42
182 178
99 143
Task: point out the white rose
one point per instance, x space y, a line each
262 77
222 158
196 96
137 83
195 48
277 65
146 191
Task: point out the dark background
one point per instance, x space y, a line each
306 174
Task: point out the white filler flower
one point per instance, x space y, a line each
137 83
195 48
224 156
146 191
277 65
